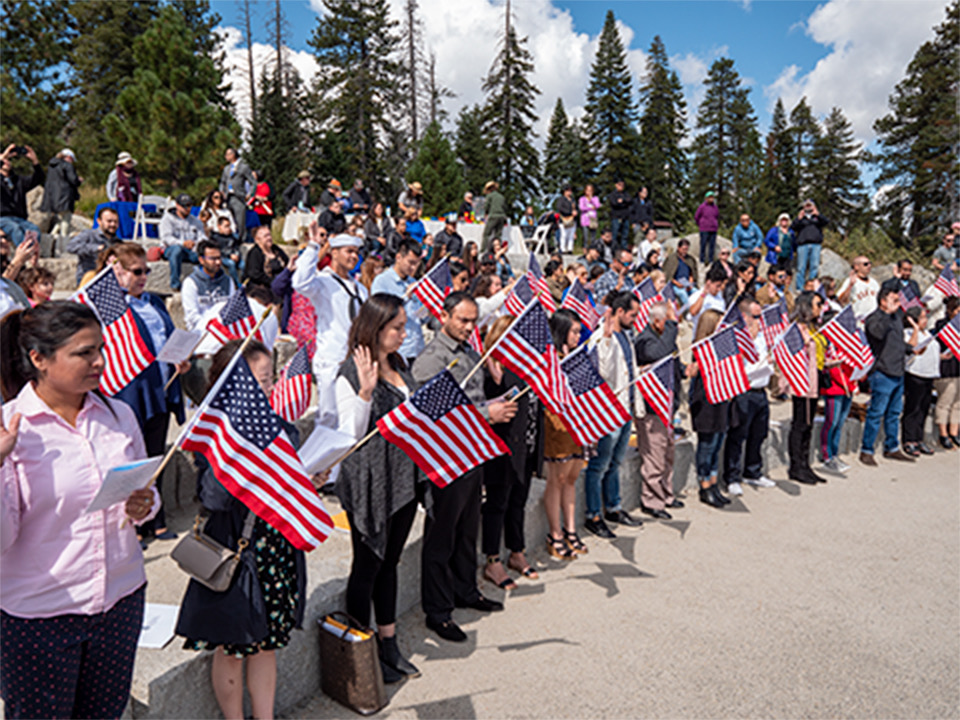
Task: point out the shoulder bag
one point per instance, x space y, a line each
206 560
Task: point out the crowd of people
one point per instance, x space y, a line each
70 619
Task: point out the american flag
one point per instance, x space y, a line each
291 394
578 301
235 321
476 340
908 298
721 366
520 296
842 331
434 287
125 351
441 430
772 321
648 296
527 349
252 457
791 355
539 285
594 410
657 387
947 282
950 335
734 318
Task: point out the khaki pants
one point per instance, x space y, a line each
656 446
948 400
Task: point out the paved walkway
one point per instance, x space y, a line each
840 600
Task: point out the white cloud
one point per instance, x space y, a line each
870 45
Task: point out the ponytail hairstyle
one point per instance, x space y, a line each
45 328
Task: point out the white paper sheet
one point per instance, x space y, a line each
179 346
923 343
159 622
323 448
121 481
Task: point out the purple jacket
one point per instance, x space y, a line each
707 217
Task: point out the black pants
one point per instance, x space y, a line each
65 666
801 432
449 561
374 578
155 440
917 394
755 421
504 506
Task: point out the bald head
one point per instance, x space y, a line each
861 266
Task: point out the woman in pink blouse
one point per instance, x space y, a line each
588 204
71 584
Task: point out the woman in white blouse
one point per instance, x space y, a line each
378 484
923 366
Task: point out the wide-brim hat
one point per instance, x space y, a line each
123 158
492 185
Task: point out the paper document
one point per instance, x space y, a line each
123 480
159 622
179 346
323 448
923 343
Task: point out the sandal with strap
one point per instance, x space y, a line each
559 549
527 570
575 543
506 584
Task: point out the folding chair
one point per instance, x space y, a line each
141 220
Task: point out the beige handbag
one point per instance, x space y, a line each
207 561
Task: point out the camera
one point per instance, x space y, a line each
19 151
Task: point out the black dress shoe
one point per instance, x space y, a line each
898 455
675 504
390 675
803 478
599 528
946 442
447 629
662 515
720 496
707 498
818 478
483 605
621 517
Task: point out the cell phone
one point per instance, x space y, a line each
19 150
31 236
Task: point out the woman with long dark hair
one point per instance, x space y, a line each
378 484
72 584
807 316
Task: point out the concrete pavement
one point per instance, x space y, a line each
836 600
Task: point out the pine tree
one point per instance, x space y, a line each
277 142
435 166
727 144
806 132
610 112
473 152
169 112
358 89
556 158
663 127
508 118
836 173
36 37
103 64
437 93
918 141
779 174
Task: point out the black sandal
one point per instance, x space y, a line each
507 583
575 543
559 549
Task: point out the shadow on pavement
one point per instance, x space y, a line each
627 547
608 574
736 505
789 488
681 526
459 707
534 643
523 591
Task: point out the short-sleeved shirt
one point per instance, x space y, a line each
945 255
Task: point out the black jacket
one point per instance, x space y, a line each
333 223
453 242
885 335
641 212
620 205
809 229
564 206
295 194
13 192
60 193
651 347
360 199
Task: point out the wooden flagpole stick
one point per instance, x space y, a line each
176 373
362 441
493 347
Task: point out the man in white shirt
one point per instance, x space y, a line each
336 298
753 413
860 290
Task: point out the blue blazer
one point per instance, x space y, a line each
145 394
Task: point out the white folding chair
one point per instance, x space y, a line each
141 220
538 241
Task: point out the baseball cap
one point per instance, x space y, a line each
184 200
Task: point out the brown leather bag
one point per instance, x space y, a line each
350 664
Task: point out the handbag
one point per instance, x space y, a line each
594 223
206 560
350 664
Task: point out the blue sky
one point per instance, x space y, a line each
849 53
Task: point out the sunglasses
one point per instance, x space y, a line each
139 272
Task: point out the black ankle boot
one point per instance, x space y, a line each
724 500
707 498
390 656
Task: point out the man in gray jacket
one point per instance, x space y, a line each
60 194
234 181
87 245
180 232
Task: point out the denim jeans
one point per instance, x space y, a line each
808 263
176 255
621 232
603 472
835 411
708 453
886 403
15 228
682 295
708 247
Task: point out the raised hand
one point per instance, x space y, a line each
367 371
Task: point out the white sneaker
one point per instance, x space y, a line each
761 481
831 466
734 488
841 465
